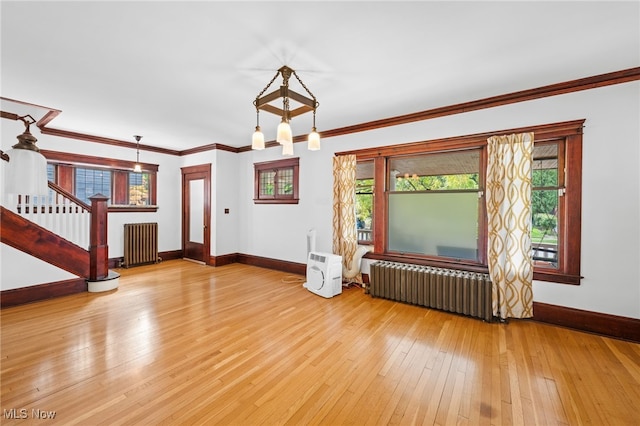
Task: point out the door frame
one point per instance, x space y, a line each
202 171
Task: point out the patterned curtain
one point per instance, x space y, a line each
345 239
509 218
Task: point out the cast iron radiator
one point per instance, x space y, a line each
462 292
140 244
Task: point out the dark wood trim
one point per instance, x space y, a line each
171 255
112 163
616 77
202 171
592 322
22 295
131 209
210 147
98 245
105 141
120 187
65 177
279 265
225 259
29 238
380 185
117 262
50 115
587 83
60 190
542 133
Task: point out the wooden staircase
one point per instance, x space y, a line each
56 229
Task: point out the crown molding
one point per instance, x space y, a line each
587 83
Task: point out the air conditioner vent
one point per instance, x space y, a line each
317 258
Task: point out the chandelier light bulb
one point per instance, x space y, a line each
313 140
284 135
287 148
257 141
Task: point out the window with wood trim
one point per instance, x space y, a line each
85 176
364 202
429 201
276 182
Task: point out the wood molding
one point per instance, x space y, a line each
29 238
116 262
587 83
608 79
105 141
70 158
279 265
209 147
592 322
20 296
225 259
170 255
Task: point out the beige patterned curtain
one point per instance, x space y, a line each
345 239
508 198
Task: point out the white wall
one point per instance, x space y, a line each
611 188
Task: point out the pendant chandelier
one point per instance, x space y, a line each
284 134
137 167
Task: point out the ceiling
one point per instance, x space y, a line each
185 74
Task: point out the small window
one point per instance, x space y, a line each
138 189
276 182
92 181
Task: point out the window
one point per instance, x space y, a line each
364 201
433 204
85 176
138 189
545 198
90 182
276 182
430 209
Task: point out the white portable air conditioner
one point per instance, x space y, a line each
324 274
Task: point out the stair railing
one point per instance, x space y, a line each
59 212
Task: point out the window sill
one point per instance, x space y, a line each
131 209
275 201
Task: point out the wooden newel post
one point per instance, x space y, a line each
98 247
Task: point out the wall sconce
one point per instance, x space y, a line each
26 173
284 134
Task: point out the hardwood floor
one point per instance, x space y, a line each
182 343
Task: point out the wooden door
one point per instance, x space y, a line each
196 213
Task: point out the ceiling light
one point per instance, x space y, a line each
284 134
138 167
26 173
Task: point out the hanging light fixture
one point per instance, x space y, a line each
138 167
26 173
284 134
257 141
